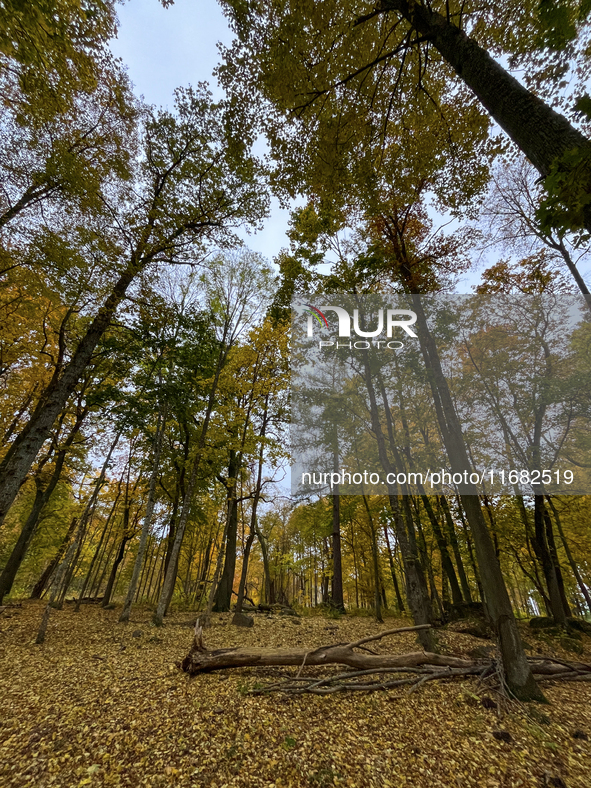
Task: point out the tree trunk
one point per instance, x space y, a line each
170 574
111 581
519 677
106 532
223 597
399 601
376 568
542 552
416 587
42 496
21 455
268 590
446 562
554 558
337 558
253 514
456 548
473 563
39 586
199 659
540 132
569 556
139 559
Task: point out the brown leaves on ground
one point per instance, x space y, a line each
100 704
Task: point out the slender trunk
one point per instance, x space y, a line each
570 264
446 562
170 575
473 563
202 582
569 556
139 559
111 581
399 601
337 559
416 588
542 552
529 539
42 496
554 558
436 599
39 586
456 548
147 589
253 514
269 597
214 582
223 597
95 558
374 556
444 589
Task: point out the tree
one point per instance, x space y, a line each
195 182
235 291
326 68
510 213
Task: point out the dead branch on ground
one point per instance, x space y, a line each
371 671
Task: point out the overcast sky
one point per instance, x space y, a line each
166 48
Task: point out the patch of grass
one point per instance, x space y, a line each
288 743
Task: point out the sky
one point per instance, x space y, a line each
167 48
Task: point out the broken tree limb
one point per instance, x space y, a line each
202 660
388 670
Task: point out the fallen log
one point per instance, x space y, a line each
388 670
202 660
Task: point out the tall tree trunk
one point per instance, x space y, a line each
541 133
18 460
337 559
554 558
253 514
268 596
223 597
139 559
416 587
456 548
468 538
170 574
436 597
542 552
40 585
399 601
569 555
376 568
446 561
111 581
518 673
42 496
106 532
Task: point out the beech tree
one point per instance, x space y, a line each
322 69
194 183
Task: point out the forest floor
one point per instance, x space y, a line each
102 704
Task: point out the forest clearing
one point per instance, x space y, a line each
295 393
103 704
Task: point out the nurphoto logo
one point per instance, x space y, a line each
395 318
